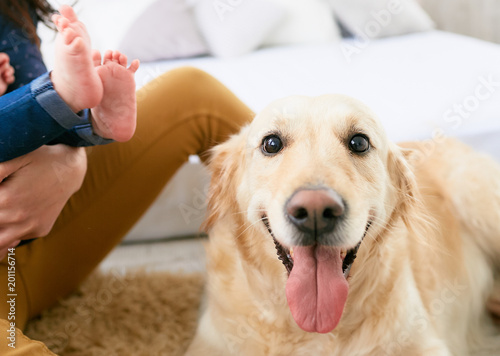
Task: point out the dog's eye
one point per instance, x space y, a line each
359 143
271 145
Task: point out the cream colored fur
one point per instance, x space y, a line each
423 272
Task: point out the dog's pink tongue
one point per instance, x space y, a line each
316 289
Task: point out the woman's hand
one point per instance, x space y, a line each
34 189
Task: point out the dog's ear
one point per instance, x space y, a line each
403 180
223 165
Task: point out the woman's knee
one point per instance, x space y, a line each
180 82
192 74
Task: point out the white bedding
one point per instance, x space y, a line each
410 81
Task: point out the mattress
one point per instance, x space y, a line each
419 85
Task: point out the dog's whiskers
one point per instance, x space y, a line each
247 211
250 226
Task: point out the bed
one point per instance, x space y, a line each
422 85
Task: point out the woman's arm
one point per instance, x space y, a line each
33 190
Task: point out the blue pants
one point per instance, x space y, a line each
35 115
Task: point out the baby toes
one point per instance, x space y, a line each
96 58
68 13
71 38
118 58
134 66
122 59
108 56
62 24
55 19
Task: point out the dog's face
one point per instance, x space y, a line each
312 175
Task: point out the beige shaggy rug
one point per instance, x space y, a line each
136 314
139 314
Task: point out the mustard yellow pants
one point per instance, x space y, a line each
183 112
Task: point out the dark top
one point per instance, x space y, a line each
25 56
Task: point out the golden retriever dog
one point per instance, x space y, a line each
328 239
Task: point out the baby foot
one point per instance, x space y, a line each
115 117
74 76
6 73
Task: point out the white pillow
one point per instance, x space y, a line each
381 18
107 21
235 27
146 29
306 21
165 30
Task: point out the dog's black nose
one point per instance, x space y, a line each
315 211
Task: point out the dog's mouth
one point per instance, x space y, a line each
285 255
317 285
